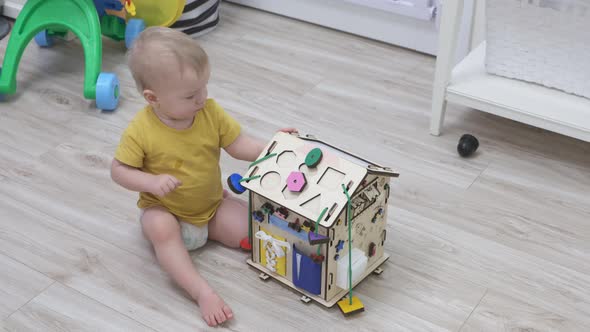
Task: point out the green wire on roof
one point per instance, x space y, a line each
250 178
317 226
250 218
263 159
349 245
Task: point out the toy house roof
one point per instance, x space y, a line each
284 159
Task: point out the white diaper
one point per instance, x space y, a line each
194 237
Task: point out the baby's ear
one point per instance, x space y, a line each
150 97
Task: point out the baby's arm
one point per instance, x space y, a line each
133 179
245 147
248 148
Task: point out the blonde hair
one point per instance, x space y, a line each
158 50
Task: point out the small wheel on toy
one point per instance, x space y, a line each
134 28
43 39
233 182
107 91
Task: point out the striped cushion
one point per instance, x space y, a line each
198 17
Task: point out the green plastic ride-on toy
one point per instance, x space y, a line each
45 20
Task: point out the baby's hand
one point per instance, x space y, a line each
164 184
289 130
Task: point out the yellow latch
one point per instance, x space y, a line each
130 7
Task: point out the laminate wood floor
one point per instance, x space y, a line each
497 242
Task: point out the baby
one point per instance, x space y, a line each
170 154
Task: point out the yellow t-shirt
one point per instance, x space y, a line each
190 155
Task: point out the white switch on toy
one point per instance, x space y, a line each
359 264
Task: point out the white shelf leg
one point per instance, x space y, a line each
445 60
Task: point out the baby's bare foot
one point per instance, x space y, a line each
213 308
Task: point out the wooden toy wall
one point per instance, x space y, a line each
369 211
276 227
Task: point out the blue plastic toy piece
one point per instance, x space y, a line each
115 5
340 245
107 91
134 27
284 225
307 274
314 238
43 39
233 181
258 216
100 8
102 5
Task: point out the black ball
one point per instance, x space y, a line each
468 144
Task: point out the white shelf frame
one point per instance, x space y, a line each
12 8
469 85
389 27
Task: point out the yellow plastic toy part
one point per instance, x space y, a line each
159 12
130 7
349 307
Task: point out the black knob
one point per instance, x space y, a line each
468 144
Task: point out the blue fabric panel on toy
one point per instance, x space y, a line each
306 273
284 225
102 5
99 4
113 4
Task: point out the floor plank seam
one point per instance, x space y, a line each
313 87
30 300
106 306
79 230
472 311
479 175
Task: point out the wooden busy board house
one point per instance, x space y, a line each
299 193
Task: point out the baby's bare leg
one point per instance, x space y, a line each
163 231
230 223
